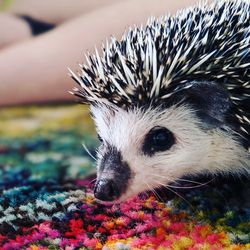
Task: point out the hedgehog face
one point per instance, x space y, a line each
141 150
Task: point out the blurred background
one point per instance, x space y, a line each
41 125
42 128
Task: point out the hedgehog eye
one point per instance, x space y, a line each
158 139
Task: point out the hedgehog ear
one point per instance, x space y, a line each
211 101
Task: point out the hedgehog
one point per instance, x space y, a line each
171 99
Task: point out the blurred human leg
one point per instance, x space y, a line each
57 11
18 22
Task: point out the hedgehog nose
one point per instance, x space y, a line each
106 190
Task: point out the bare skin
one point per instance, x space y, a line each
17 30
14 29
35 70
57 11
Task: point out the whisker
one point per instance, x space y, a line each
184 180
191 181
200 184
170 189
165 177
190 187
93 181
88 152
149 188
154 191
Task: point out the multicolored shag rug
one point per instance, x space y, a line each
46 200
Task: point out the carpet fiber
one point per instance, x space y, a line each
46 199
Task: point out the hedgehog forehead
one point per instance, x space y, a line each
119 127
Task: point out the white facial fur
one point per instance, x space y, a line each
195 151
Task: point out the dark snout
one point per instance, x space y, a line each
113 176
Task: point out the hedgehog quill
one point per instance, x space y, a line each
171 99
